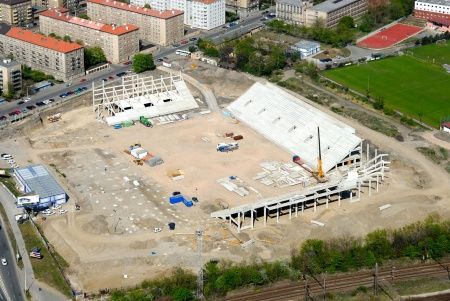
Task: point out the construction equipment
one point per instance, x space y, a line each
145 121
319 175
227 147
54 118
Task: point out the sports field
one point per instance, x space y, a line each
412 84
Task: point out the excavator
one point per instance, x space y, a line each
319 175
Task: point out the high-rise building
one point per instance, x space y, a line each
292 11
203 14
158 27
119 42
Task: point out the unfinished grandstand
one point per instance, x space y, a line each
294 126
141 96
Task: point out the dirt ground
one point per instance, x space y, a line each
113 231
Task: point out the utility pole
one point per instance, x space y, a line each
375 279
199 234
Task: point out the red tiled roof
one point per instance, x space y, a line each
166 14
440 20
446 124
116 30
41 40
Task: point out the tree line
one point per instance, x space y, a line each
421 240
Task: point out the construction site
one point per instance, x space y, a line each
150 161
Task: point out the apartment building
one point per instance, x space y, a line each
63 60
16 12
432 9
292 11
203 14
10 76
119 43
331 12
242 7
158 27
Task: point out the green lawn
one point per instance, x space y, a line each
437 54
45 269
417 88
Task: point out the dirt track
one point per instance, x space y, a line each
91 242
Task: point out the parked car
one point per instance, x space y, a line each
127 63
111 77
63 95
105 79
6 156
56 207
165 58
46 101
26 99
51 100
183 42
4 262
193 39
24 110
62 211
40 104
160 60
21 102
31 107
120 74
82 80
3 118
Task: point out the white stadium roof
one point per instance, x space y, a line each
292 124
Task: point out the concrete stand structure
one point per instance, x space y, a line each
372 172
141 96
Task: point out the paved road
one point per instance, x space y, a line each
216 35
10 289
38 291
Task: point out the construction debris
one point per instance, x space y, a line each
234 184
281 175
54 118
384 207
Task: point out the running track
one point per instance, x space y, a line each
389 36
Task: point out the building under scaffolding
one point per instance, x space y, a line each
141 96
368 174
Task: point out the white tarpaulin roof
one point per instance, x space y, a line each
292 124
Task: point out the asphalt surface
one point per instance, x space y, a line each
217 35
9 279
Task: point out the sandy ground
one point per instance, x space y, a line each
113 231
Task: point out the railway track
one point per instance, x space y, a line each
341 283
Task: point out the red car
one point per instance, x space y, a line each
82 80
127 63
111 77
15 112
183 42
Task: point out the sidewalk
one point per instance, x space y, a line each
39 291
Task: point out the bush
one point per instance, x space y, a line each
388 111
35 75
378 104
143 62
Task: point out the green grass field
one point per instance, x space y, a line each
412 84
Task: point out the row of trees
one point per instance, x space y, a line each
381 15
339 37
421 240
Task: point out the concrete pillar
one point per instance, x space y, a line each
278 215
230 222
239 222
370 187
377 183
251 216
296 210
367 152
315 205
351 195
303 207
328 197
265 209
339 199
290 211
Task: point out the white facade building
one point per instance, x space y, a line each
203 14
432 9
306 48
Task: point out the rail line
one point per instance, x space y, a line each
341 283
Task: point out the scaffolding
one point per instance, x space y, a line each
372 172
142 95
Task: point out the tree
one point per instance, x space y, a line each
346 22
79 42
93 56
147 6
67 38
143 62
83 16
183 294
192 48
211 51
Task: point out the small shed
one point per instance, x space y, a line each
445 127
139 152
154 161
306 48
